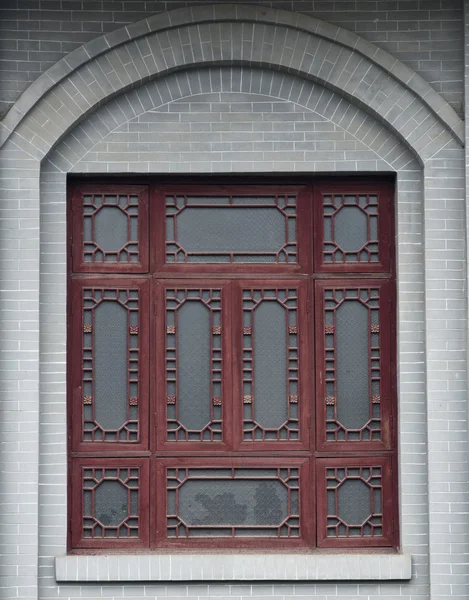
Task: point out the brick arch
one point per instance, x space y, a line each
110 121
231 34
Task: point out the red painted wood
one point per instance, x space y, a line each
159 374
76 214
76 504
387 362
384 190
387 538
153 276
76 363
157 228
302 224
160 540
305 392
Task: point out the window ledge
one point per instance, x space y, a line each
233 567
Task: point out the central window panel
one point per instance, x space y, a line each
231 229
232 366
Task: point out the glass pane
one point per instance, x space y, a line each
110 365
354 501
110 502
194 365
110 227
227 230
350 228
230 229
270 365
193 335
352 371
232 502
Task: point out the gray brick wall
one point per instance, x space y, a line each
229 127
426 35
276 122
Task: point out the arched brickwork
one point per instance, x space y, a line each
392 99
232 34
371 145
318 131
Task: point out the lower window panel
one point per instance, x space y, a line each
231 503
354 502
109 503
241 503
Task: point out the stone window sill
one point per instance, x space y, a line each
233 567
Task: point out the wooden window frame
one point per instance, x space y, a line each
304 357
153 452
159 263
387 334
307 518
332 186
78 261
159 428
78 443
388 501
77 540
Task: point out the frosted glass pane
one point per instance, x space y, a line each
110 365
270 359
110 228
193 337
354 502
233 502
222 229
350 228
352 364
111 504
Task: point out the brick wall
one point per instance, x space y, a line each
426 35
232 128
285 126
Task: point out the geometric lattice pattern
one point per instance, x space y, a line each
128 430
110 228
231 229
370 379
285 379
214 331
350 228
354 502
233 502
110 502
186 385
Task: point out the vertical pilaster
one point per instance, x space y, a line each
19 371
446 350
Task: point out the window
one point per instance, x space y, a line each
232 365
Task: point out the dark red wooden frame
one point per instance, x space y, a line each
304 241
76 194
389 532
154 451
76 504
387 358
385 228
76 362
158 381
304 382
307 519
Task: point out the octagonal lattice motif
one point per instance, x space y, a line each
110 502
350 228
